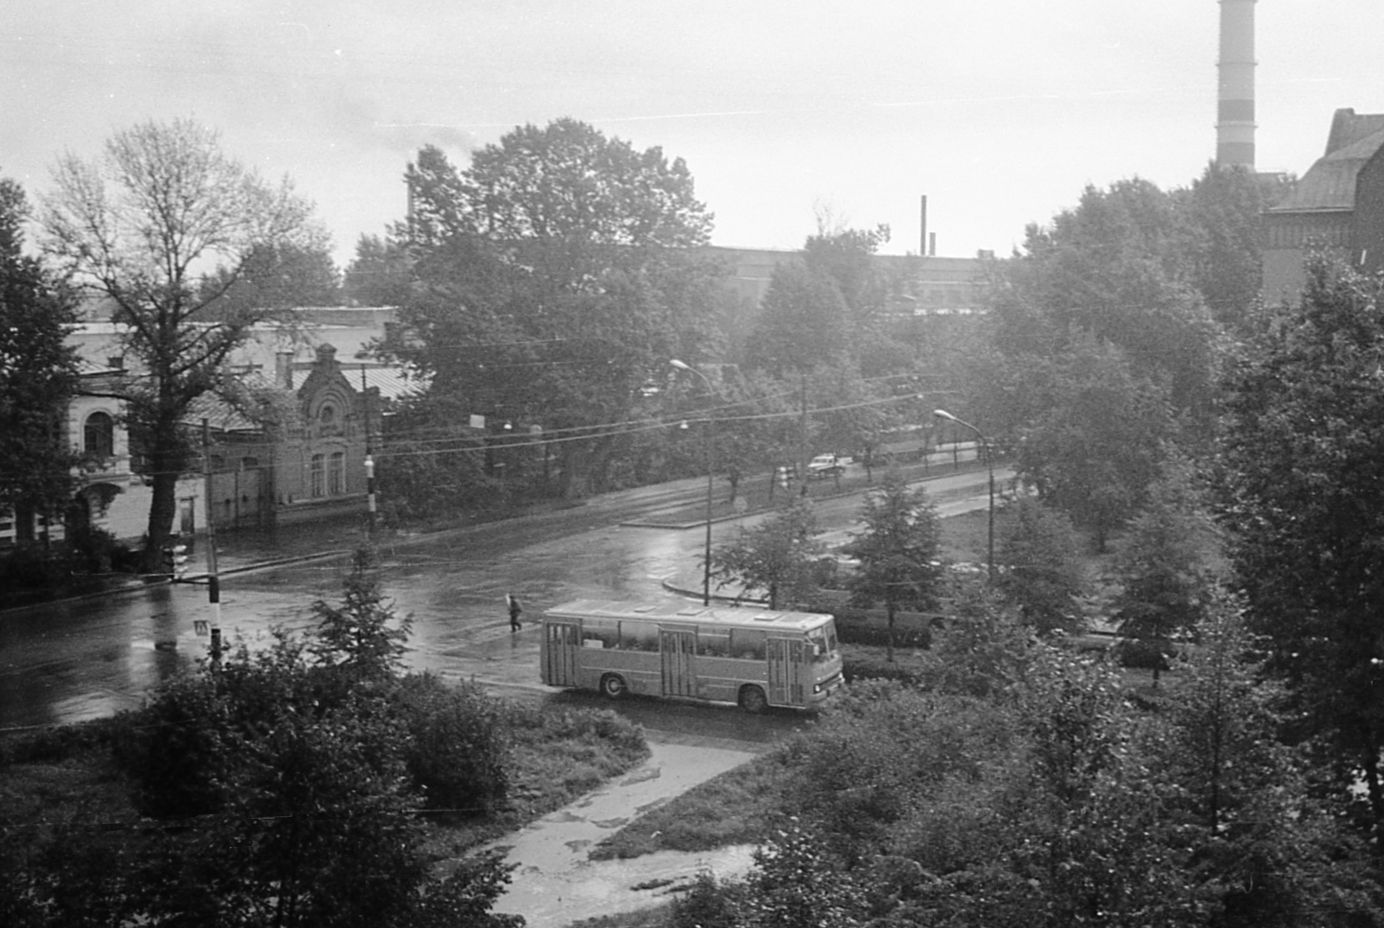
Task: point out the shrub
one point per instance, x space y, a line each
33 567
175 749
456 751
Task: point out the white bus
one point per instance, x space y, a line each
752 657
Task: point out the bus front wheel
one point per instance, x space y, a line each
613 685
752 700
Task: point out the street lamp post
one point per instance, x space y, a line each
990 465
710 477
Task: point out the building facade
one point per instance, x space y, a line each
1338 206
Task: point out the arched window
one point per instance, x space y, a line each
336 474
98 435
317 485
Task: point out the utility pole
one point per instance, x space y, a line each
802 435
369 463
213 580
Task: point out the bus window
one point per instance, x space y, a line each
639 636
823 642
747 644
713 643
600 633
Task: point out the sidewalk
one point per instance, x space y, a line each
556 884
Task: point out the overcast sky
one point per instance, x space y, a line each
1000 111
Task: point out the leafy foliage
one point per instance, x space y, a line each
306 763
362 640
457 753
1041 569
1093 452
1303 435
1168 561
897 550
136 226
38 377
555 278
774 557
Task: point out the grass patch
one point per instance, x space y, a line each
555 758
736 807
656 917
965 537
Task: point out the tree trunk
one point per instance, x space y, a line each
889 635
162 508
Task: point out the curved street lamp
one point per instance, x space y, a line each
710 476
990 464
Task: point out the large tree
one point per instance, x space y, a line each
38 377
1041 565
774 558
141 224
1303 438
556 276
1169 562
1092 440
897 548
1114 268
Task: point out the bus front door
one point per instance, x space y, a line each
787 657
677 648
561 641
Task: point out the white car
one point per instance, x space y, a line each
827 465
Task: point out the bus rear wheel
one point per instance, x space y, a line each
752 700
613 686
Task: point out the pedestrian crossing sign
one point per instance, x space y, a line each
200 627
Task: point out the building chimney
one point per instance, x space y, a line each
1235 98
922 219
283 370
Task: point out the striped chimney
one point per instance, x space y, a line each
1235 99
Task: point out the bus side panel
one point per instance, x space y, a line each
720 678
559 652
639 669
787 678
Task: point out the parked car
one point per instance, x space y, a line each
827 465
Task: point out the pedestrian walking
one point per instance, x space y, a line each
515 610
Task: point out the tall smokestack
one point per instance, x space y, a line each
1235 100
922 219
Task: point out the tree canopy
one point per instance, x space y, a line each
1303 436
555 278
897 550
38 377
140 225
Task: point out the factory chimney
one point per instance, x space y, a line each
922 222
1235 99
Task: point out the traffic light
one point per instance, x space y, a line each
179 561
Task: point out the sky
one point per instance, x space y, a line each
787 113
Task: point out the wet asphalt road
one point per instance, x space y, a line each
83 659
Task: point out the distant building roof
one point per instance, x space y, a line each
1349 127
1330 183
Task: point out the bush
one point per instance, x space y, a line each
32 567
1139 654
457 751
708 904
175 749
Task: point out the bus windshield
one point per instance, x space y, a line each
823 641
